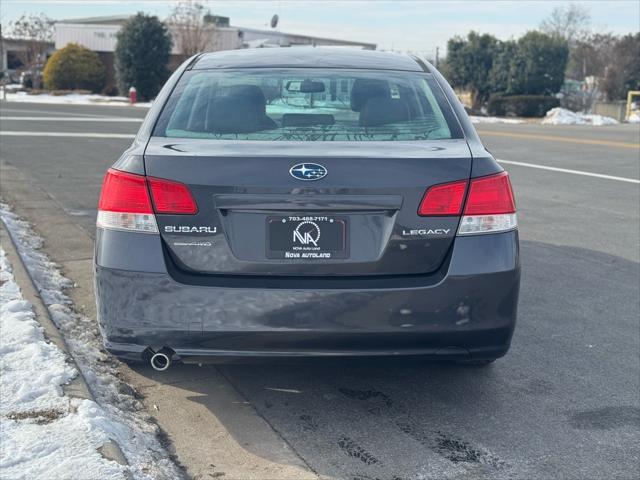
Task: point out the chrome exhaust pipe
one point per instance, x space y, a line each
161 360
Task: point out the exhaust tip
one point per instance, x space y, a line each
161 360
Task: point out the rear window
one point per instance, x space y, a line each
307 105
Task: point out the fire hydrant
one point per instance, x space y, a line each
133 95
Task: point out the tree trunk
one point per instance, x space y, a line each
476 103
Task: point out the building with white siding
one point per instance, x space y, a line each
100 35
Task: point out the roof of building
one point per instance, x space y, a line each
318 57
308 37
103 20
288 38
12 41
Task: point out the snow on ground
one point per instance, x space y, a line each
634 118
562 116
12 87
477 119
43 434
73 99
118 414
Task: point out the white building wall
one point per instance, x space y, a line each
103 38
99 38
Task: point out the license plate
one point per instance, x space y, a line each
307 237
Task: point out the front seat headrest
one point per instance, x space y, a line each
364 89
251 92
380 111
242 110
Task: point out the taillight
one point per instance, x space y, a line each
124 192
443 199
490 206
171 197
125 203
490 195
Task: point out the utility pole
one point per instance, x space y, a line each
437 56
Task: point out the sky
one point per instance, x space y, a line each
417 26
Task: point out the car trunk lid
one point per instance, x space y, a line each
255 218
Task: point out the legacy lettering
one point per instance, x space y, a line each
422 231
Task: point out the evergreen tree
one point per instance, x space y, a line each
539 64
469 64
532 65
142 54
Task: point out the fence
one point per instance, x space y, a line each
617 109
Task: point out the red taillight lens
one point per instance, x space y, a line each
128 192
171 197
124 192
490 195
444 199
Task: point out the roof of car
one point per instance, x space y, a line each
311 57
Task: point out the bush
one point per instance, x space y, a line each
74 68
521 105
484 65
141 56
538 65
110 91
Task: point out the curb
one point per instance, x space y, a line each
78 387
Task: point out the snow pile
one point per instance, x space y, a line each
562 116
477 119
12 87
634 118
73 98
43 433
118 414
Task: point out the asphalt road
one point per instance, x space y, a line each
564 403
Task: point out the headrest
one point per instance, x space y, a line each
380 111
364 89
240 111
252 92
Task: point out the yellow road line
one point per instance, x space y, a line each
555 138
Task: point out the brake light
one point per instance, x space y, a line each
126 204
444 199
124 192
171 197
490 206
490 195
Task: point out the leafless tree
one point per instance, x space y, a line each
570 22
192 31
37 30
623 72
591 55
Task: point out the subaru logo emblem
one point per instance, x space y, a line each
308 171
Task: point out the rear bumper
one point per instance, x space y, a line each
467 310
